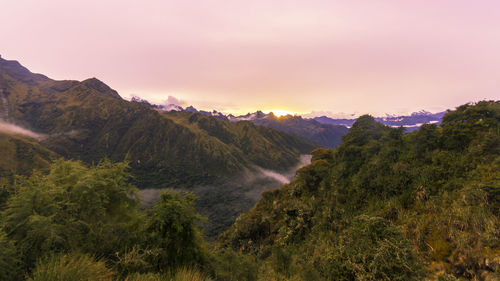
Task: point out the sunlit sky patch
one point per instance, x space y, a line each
280 112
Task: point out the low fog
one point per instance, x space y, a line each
18 130
222 202
271 178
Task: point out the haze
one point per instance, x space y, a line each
239 56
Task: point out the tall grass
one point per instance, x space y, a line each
183 274
188 274
71 267
146 277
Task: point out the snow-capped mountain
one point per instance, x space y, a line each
170 107
213 113
139 99
249 116
410 122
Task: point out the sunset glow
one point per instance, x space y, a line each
279 112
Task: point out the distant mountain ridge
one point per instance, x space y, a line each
322 135
409 122
324 131
326 135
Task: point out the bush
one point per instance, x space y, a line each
370 249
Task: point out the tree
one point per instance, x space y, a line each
93 210
172 229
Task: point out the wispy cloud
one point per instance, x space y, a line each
18 130
175 101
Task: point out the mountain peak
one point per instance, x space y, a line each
421 113
17 71
101 87
191 109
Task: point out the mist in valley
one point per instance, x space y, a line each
10 128
222 202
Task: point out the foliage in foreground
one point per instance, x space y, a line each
386 205
94 211
79 267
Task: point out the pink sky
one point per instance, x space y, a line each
239 56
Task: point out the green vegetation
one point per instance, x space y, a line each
386 205
54 225
20 155
9 262
79 267
71 268
71 208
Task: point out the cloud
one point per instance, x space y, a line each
338 115
273 175
15 129
251 184
264 179
174 100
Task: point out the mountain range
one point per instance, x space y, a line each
324 131
409 122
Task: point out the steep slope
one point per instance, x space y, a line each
89 121
262 146
20 155
386 206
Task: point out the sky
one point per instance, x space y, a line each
325 57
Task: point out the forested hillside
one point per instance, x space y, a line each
20 155
386 205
